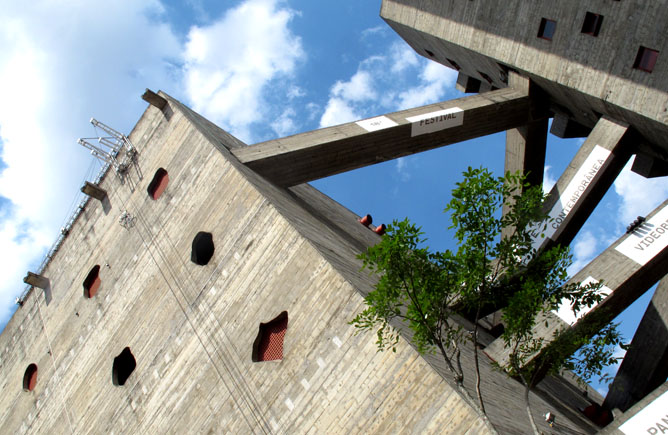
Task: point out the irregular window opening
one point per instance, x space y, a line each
158 184
646 59
30 377
124 365
547 29
92 282
429 52
268 345
592 24
203 248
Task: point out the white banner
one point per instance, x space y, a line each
652 419
435 121
377 123
648 239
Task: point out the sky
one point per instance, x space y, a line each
260 69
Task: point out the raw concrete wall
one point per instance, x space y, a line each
585 76
191 328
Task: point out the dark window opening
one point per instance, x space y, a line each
92 282
547 29
454 64
202 248
30 377
486 77
430 53
158 184
592 24
646 59
268 345
124 365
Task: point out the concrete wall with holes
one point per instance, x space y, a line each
584 75
191 328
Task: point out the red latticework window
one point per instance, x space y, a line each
30 378
158 184
92 282
268 345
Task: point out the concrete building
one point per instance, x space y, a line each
205 288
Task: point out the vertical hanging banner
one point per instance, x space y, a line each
435 121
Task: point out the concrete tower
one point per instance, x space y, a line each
206 288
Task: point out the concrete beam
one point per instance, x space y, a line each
587 178
154 99
36 280
629 267
645 366
563 126
526 144
93 190
40 281
580 188
308 156
649 167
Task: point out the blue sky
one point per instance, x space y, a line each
259 68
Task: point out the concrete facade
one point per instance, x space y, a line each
282 246
191 328
585 76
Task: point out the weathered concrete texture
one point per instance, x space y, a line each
585 76
587 178
625 278
645 365
191 328
308 156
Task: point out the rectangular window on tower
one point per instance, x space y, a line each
547 29
592 24
646 59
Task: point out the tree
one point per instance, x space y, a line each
494 264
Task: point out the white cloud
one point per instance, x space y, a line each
403 57
401 167
436 79
386 82
338 111
230 63
295 92
548 180
358 88
639 195
58 67
285 125
585 247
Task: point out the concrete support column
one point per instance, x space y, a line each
525 145
645 366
